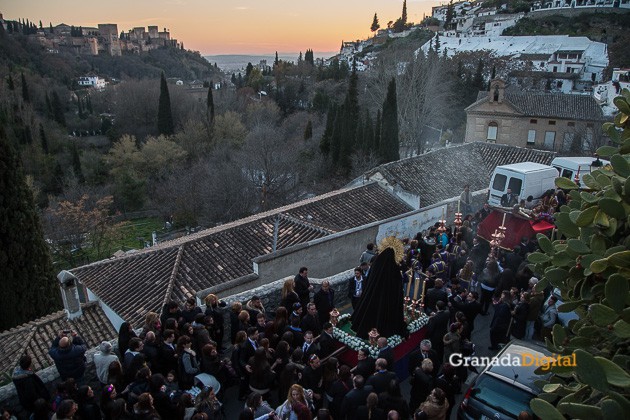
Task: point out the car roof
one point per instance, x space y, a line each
522 375
569 161
525 167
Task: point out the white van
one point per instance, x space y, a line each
524 179
568 167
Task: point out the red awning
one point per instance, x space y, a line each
517 228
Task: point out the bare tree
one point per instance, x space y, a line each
425 94
269 163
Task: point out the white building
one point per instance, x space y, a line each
605 93
578 60
92 81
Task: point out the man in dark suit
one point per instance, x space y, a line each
326 341
470 307
324 301
309 347
355 397
385 351
423 352
168 351
312 379
381 378
356 287
310 321
303 287
365 364
437 328
434 294
248 348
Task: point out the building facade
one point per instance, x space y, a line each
540 120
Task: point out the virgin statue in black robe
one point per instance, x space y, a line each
381 305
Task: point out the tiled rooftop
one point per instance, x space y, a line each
35 337
144 281
442 174
549 105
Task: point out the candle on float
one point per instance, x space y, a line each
411 280
415 290
424 288
503 222
458 203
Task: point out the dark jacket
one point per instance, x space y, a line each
354 399
432 297
380 380
301 288
29 387
387 353
436 328
70 361
324 302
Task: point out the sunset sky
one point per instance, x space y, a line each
230 26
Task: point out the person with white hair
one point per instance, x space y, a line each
102 359
535 303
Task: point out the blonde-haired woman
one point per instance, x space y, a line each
214 309
297 395
151 323
468 278
289 297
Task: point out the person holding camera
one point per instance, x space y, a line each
68 352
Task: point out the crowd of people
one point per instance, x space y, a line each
284 357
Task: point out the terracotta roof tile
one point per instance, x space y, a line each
144 281
35 337
442 174
548 105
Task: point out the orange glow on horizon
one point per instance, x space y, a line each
230 27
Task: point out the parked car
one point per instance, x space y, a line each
503 392
563 317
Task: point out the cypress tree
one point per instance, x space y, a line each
210 103
389 146
336 137
276 61
28 284
49 110
25 95
10 83
478 78
88 103
80 107
76 163
350 120
375 25
57 107
308 130
368 137
165 117
43 139
325 142
376 145
403 16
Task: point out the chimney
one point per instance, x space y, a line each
70 294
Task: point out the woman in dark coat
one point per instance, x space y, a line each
519 316
88 407
125 333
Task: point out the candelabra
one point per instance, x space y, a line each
373 336
334 317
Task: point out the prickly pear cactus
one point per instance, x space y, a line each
590 264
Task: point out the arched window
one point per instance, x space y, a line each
493 130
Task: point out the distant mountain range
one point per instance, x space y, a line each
234 62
